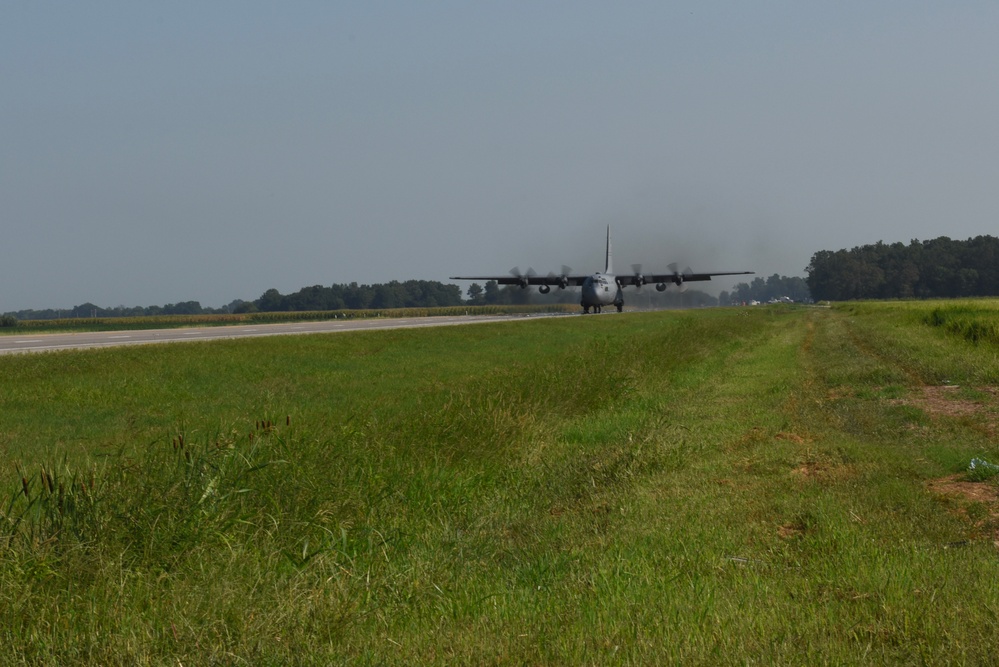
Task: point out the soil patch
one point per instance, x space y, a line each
944 401
825 471
977 502
957 486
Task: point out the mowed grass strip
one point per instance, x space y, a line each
716 486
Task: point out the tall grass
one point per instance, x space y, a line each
720 486
975 324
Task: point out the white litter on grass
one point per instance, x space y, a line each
982 469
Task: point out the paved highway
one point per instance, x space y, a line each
13 344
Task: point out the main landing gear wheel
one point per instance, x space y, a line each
620 307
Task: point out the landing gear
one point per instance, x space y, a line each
620 307
586 309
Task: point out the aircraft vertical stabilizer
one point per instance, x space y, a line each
608 268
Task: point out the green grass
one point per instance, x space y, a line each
717 486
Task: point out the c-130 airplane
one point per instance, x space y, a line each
602 288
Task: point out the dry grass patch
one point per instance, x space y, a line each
823 471
945 401
791 530
792 437
975 502
957 486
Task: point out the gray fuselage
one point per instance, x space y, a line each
601 289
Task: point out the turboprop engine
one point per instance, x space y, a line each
562 280
523 279
678 278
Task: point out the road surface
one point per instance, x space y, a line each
13 344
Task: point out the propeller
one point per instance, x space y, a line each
563 280
639 279
679 278
522 278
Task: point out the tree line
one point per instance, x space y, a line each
774 288
395 294
937 268
413 294
91 310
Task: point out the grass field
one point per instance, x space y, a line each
758 485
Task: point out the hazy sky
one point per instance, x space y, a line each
174 151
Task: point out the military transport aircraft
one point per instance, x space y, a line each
602 288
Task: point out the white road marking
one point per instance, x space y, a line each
119 336
27 341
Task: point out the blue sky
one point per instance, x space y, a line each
210 151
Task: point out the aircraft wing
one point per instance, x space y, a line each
677 277
524 280
690 275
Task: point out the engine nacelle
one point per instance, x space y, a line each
544 289
661 287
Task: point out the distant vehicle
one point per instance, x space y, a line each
602 288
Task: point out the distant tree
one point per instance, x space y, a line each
774 287
270 301
476 294
492 292
183 308
87 310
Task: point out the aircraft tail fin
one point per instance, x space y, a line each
608 267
